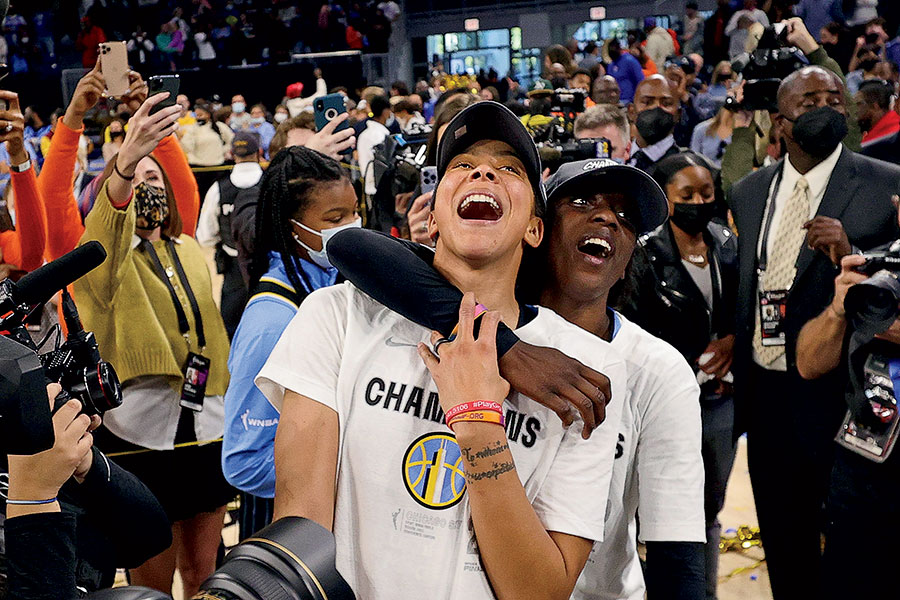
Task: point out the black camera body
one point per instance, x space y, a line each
765 68
874 304
555 154
568 102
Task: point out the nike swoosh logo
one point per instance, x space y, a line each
390 343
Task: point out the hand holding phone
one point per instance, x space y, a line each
163 83
428 179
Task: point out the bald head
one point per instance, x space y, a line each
606 90
810 88
655 91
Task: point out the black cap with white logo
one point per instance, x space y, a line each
604 175
492 121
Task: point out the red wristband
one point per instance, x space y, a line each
488 405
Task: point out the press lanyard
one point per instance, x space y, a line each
183 325
764 249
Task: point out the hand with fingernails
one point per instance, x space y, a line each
12 128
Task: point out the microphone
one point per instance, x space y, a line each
39 286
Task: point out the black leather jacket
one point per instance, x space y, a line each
665 301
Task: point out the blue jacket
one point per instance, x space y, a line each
248 451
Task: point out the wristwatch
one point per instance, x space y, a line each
21 168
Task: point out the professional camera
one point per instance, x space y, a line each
25 417
291 559
568 103
398 163
874 304
553 155
764 68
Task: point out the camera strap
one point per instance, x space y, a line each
165 275
767 225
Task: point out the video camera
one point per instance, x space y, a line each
291 559
553 155
398 163
25 415
874 304
765 68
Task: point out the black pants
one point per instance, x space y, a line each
234 294
861 549
790 433
255 513
718 457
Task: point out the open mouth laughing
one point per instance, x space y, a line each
597 247
479 206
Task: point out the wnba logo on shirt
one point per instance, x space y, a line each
433 471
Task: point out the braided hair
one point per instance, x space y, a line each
284 192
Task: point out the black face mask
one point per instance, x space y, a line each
819 131
654 125
693 218
201 122
615 54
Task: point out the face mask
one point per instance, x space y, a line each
202 122
693 218
281 117
257 120
115 135
615 54
819 131
151 205
320 257
654 125
391 120
869 64
238 107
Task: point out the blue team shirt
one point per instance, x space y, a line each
248 450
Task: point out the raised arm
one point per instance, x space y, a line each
373 261
27 247
55 183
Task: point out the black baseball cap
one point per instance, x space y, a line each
491 120
245 143
606 175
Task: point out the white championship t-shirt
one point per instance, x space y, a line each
658 472
402 519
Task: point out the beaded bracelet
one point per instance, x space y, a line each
31 502
489 405
477 416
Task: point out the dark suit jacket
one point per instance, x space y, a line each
887 149
859 194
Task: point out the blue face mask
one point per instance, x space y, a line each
320 257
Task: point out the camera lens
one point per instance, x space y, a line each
874 304
99 389
331 113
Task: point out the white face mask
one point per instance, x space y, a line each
320 257
281 117
238 107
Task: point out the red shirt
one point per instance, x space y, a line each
87 42
889 124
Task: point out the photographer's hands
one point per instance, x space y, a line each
40 476
798 35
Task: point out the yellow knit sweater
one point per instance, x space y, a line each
130 310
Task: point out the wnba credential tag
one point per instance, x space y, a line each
433 471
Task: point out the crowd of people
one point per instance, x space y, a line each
625 317
44 36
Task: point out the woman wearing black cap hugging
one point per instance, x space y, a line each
593 221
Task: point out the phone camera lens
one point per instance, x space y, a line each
330 113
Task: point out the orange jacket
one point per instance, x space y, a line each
64 226
24 247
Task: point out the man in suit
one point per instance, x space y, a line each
797 219
654 113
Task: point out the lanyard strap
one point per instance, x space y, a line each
764 249
183 325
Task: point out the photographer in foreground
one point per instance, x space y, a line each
70 515
864 494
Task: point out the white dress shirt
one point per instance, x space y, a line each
373 135
243 176
817 178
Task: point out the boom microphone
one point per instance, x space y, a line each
39 286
